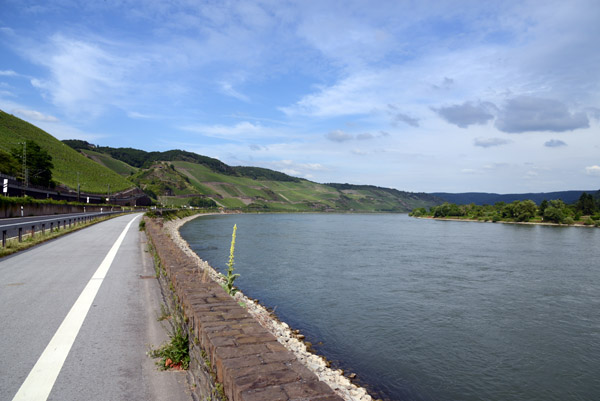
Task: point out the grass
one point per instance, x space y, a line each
93 177
13 245
108 161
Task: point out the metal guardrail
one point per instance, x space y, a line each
17 230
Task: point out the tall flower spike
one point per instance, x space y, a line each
232 250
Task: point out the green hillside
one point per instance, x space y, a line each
177 178
108 161
93 177
298 195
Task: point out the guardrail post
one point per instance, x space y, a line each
20 234
69 223
51 227
43 229
3 238
32 231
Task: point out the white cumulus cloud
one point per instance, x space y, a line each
593 170
35 115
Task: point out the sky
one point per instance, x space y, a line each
422 96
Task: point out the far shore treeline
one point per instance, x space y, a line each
586 211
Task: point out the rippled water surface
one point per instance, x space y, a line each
427 310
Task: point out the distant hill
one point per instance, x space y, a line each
142 159
93 177
177 177
483 198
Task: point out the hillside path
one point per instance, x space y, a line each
82 309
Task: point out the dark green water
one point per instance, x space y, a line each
427 310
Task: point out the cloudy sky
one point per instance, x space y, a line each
455 96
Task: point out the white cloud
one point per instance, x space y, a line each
241 131
339 136
365 136
35 115
242 128
296 169
554 143
527 113
593 170
468 113
7 73
227 89
140 116
85 76
490 142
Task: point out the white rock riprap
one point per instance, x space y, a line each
317 364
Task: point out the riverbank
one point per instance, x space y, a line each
535 223
289 339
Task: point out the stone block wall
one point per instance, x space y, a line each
235 350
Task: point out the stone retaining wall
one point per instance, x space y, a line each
235 349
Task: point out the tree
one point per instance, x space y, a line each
38 164
8 164
555 211
586 204
447 210
202 202
524 210
543 207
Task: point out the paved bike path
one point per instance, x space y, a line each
107 359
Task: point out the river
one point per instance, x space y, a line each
424 309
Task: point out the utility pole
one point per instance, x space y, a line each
78 188
25 169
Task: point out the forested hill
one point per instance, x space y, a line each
142 159
390 191
483 198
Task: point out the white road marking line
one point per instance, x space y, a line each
41 379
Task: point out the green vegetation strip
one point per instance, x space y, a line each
13 245
586 211
27 200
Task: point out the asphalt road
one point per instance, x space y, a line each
68 296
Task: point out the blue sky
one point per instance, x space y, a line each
454 96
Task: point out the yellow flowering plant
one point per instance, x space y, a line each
230 277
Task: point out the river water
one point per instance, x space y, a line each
423 309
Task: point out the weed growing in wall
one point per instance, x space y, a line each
230 277
174 354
